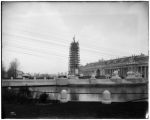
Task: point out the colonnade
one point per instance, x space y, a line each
143 70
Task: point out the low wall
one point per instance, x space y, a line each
65 81
79 81
16 82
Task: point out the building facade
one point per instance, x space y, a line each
137 63
74 58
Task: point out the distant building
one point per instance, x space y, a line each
74 58
19 74
26 75
137 63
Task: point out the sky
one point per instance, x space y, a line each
39 34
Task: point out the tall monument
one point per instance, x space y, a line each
74 58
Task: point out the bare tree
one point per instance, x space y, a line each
12 71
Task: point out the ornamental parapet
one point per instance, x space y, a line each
115 77
135 77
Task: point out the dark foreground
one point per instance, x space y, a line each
89 110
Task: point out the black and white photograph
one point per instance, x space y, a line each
74 59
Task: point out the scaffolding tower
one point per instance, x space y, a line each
74 58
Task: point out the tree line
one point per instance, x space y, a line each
12 70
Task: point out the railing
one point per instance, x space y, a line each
66 81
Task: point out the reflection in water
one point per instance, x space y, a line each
89 97
92 93
73 95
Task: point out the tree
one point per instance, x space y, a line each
3 72
12 71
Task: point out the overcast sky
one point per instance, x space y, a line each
39 34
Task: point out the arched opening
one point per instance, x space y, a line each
97 72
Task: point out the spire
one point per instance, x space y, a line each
74 38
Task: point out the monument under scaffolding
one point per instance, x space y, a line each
74 58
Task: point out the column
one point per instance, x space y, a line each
105 71
139 69
127 69
136 68
145 72
123 72
120 71
133 68
108 71
142 71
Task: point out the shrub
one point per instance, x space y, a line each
43 98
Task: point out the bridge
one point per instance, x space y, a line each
83 89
